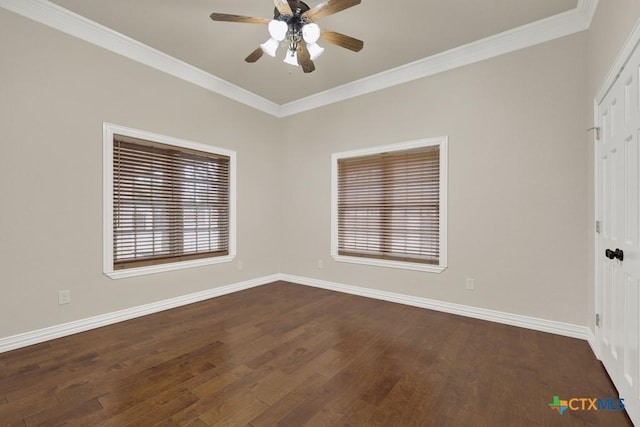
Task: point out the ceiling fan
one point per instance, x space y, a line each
293 23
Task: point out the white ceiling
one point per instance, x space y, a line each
393 35
420 38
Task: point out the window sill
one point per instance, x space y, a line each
140 271
391 264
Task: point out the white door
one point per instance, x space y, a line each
618 243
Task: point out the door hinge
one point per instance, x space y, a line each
597 226
597 130
597 319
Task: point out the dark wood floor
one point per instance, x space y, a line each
290 355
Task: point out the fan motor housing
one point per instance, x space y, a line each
297 7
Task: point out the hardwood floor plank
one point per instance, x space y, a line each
279 384
237 410
380 387
16 411
221 381
358 412
195 423
282 408
116 418
164 410
353 381
289 355
220 392
67 414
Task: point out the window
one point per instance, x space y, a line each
169 203
389 205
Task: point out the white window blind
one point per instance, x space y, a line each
388 206
170 203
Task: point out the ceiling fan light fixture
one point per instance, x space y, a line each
315 50
278 29
293 26
291 58
311 33
270 47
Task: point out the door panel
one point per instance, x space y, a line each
619 212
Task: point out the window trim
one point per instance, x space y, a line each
108 133
442 142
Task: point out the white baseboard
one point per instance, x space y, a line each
41 335
558 328
591 339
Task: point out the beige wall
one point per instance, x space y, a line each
517 180
518 177
611 26
55 93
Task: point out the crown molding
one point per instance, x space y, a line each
538 32
64 20
587 8
563 24
630 45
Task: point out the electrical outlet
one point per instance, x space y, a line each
470 284
64 297
320 264
239 265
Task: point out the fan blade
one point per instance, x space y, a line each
283 7
255 55
342 40
238 18
329 7
304 59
